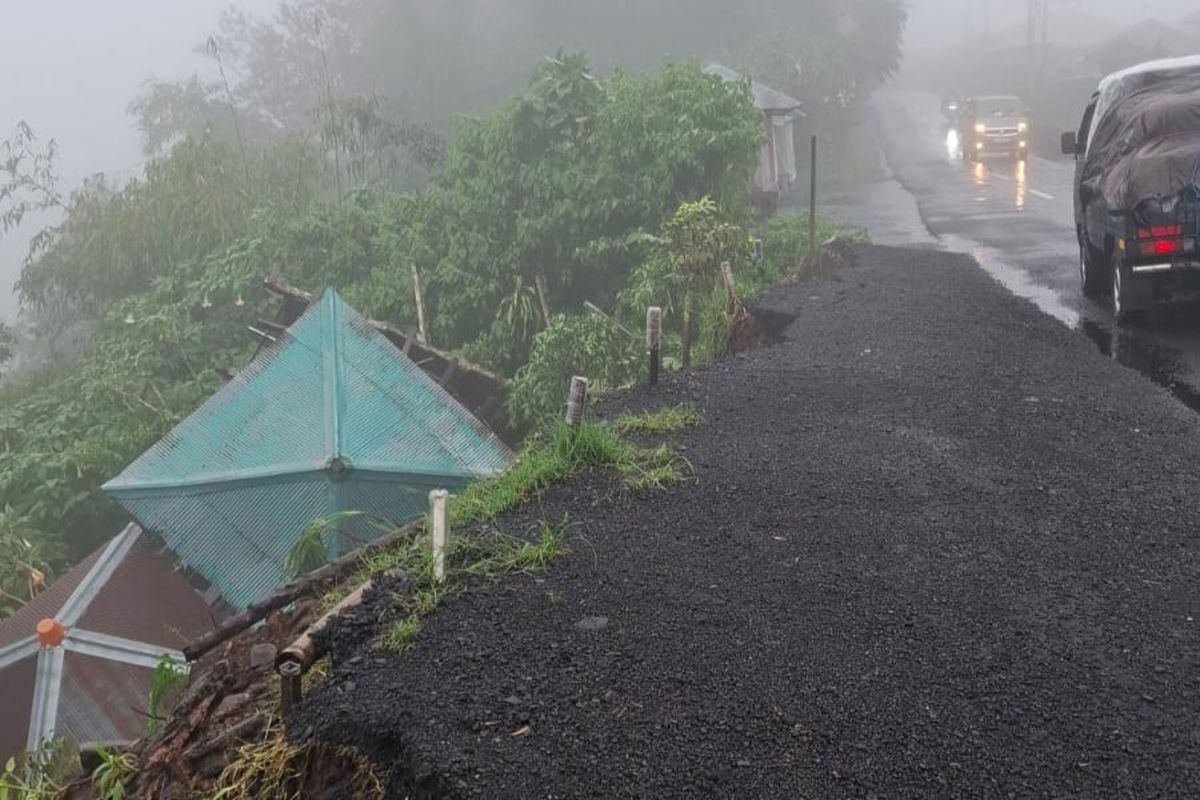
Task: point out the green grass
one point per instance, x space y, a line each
665 420
402 634
477 550
513 554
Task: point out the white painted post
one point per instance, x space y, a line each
577 401
439 529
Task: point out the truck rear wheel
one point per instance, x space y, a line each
1123 312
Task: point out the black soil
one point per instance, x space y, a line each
937 547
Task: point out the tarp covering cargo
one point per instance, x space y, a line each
1146 142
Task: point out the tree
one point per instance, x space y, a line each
540 205
8 343
28 180
698 241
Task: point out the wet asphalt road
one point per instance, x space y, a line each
1017 220
934 547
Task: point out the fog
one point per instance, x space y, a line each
74 65
934 23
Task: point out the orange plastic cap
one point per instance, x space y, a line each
50 632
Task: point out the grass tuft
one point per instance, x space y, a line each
403 634
551 457
666 420
512 554
273 768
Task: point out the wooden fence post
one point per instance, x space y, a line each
812 205
654 340
577 401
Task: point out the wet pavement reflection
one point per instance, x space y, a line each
1017 219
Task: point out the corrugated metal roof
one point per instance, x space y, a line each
149 601
21 625
124 606
102 700
331 417
15 704
765 98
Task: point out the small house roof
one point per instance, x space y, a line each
766 98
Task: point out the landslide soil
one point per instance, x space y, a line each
936 546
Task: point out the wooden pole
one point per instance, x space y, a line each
290 687
422 331
577 401
812 204
308 585
439 528
654 340
730 287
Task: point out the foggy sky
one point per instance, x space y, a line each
934 22
72 66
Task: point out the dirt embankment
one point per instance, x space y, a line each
936 547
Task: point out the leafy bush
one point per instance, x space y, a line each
590 345
539 206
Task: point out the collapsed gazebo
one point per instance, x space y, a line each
330 422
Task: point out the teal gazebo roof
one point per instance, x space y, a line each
329 418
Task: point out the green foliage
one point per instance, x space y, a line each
589 345
832 60
145 289
786 247
39 774
402 634
8 343
699 240
28 181
515 554
543 204
24 562
112 778
665 420
167 680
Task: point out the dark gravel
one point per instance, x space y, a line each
938 547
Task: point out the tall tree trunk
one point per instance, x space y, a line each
686 355
543 294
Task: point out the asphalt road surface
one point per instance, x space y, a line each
1017 220
935 547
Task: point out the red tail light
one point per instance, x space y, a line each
1161 247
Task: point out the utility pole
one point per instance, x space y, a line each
1031 47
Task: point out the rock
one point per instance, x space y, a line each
592 624
262 655
231 704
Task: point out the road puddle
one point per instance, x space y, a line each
1138 350
1015 280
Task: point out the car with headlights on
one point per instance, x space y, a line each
993 125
